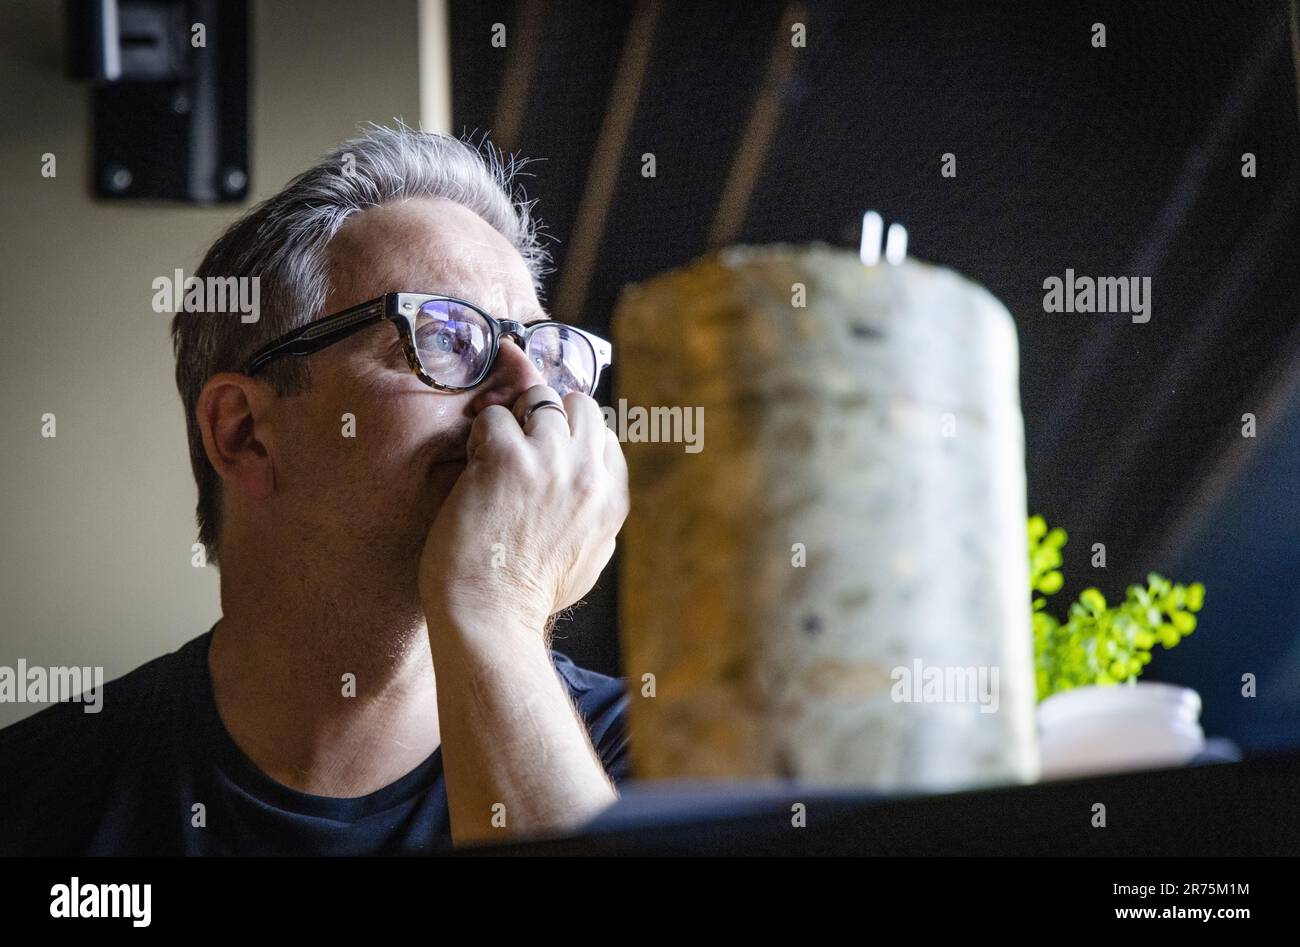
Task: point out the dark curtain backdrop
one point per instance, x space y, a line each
1117 161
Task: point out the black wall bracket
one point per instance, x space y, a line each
170 96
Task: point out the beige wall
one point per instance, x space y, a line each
98 521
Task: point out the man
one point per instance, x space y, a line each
399 499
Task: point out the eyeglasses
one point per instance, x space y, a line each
452 344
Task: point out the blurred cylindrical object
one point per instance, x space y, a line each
832 586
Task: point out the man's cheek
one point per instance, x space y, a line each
444 441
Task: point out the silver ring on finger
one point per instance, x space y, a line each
537 407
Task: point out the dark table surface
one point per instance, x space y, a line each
1249 807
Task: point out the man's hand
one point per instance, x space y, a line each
553 494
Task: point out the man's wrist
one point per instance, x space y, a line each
483 622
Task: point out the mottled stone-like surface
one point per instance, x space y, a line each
824 426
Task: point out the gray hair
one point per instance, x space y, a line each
283 242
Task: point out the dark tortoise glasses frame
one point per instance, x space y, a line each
405 309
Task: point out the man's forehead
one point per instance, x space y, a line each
494 288
466 271
472 271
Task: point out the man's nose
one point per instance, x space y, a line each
511 376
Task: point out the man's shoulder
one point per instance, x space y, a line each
602 701
82 735
583 680
65 767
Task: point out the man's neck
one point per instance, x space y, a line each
328 694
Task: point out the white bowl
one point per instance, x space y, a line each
1145 725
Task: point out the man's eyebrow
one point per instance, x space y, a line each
477 298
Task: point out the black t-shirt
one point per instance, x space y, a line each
126 780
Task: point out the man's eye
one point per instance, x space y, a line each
547 350
437 337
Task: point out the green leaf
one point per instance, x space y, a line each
1098 643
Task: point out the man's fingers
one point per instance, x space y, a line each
615 462
494 423
587 425
541 421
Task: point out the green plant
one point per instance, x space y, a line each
1100 643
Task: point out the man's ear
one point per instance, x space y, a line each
232 413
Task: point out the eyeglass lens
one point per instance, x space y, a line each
564 358
454 343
